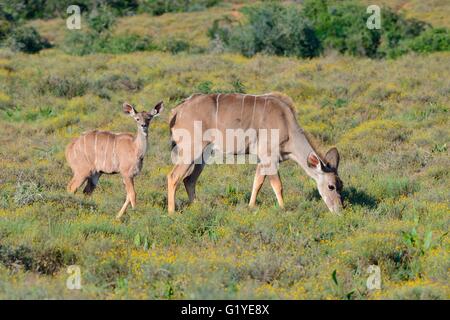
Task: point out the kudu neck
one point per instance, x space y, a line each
301 149
141 140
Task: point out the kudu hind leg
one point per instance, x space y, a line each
191 180
178 173
92 182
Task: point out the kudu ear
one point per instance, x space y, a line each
332 158
157 109
129 109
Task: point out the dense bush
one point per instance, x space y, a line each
5 28
342 26
429 41
325 25
272 29
174 45
86 43
14 10
98 38
26 39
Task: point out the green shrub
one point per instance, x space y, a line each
64 86
116 82
43 261
272 29
79 43
5 28
429 41
175 46
15 10
27 193
128 43
342 26
101 19
98 37
324 24
26 39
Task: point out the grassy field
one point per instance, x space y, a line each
388 118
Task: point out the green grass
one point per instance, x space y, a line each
388 118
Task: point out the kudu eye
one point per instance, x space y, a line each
331 187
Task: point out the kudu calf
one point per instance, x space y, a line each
224 112
97 152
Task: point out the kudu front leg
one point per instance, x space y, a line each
76 182
277 187
131 196
173 179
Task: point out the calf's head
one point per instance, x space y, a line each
143 118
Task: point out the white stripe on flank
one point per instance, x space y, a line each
95 150
74 149
114 154
242 107
85 152
106 150
253 113
265 105
217 108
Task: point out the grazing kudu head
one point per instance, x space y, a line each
328 182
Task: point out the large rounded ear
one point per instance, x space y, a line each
129 109
313 161
157 109
332 158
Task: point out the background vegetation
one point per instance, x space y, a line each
388 117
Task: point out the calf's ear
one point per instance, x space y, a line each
129 109
157 109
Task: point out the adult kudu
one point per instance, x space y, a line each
97 152
241 113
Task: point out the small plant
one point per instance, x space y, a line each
4 200
340 288
419 243
439 148
238 86
141 242
27 192
175 46
205 87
